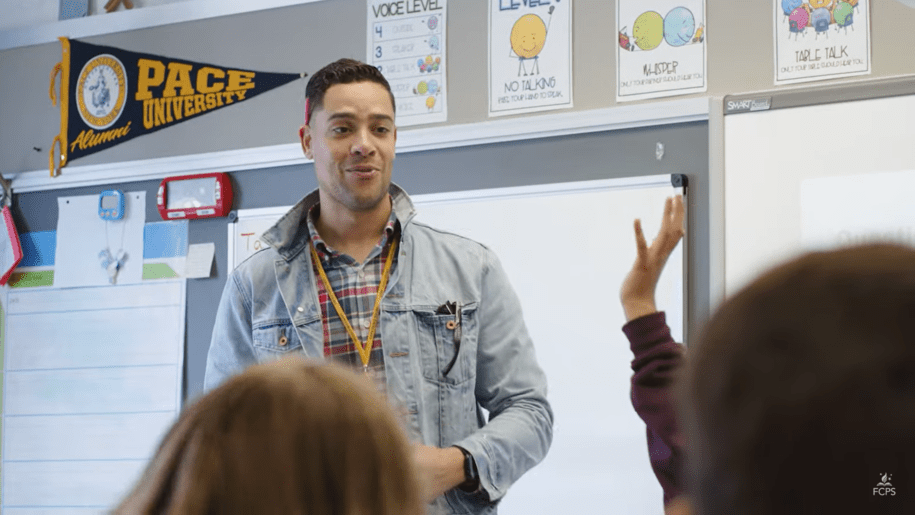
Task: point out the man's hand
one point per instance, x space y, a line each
638 291
439 470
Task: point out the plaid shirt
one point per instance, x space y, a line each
355 286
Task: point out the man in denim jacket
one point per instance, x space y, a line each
446 337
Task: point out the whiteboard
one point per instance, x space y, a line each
769 155
92 380
566 249
857 209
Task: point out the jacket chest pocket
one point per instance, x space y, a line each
448 344
274 341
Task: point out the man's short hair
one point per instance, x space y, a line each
341 71
800 395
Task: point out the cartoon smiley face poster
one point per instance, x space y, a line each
661 48
530 56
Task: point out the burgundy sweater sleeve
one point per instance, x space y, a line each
657 360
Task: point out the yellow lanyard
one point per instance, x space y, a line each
365 350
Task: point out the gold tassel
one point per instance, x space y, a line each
63 68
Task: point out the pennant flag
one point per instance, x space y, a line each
109 95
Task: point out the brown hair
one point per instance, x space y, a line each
801 392
341 71
288 437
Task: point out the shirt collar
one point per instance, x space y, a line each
290 234
326 253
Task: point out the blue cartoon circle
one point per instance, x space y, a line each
679 26
790 5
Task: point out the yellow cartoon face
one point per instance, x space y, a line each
816 4
528 35
648 30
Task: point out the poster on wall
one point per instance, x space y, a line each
530 56
661 49
821 39
94 251
406 41
109 95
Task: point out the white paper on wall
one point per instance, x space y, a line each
82 236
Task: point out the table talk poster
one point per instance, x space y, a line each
530 56
821 39
661 48
406 41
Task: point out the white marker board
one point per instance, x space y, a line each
566 249
769 155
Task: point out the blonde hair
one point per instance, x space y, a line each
288 437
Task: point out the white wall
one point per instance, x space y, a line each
18 14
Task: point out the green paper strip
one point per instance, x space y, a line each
158 271
29 279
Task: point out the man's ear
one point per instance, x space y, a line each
305 138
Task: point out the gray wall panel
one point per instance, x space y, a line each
543 161
305 37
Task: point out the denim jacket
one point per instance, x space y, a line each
270 308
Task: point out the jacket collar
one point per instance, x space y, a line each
289 235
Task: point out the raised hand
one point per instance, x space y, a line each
637 293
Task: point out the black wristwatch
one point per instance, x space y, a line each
471 476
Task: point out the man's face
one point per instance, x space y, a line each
351 139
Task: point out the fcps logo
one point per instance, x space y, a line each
884 488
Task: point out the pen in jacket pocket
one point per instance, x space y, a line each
455 325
